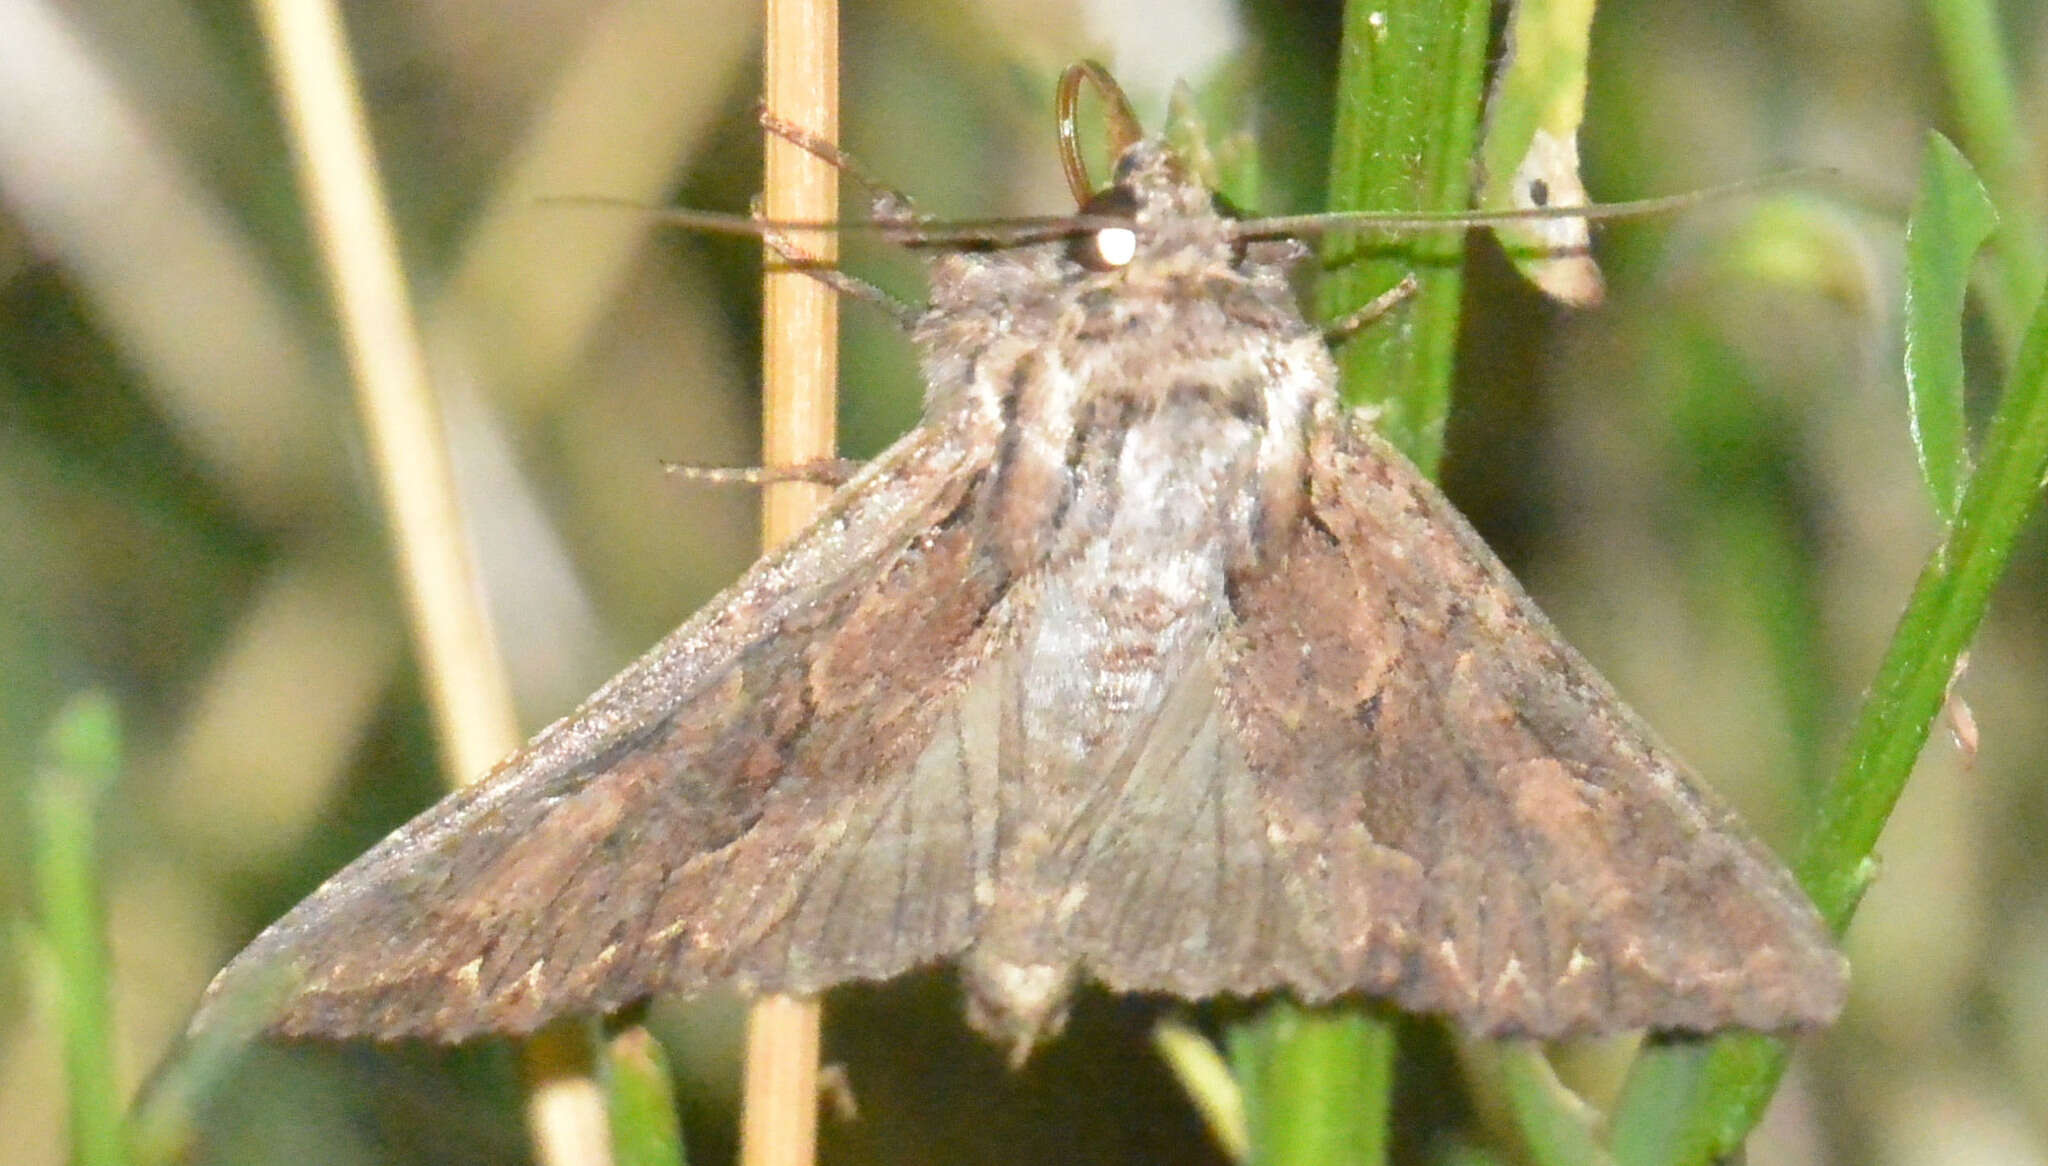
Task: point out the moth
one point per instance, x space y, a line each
1139 660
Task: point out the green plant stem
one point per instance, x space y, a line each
81 758
1691 1102
1948 603
1407 117
1318 1083
1979 78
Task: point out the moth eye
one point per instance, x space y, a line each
1107 248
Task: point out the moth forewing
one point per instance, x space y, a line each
1513 845
657 838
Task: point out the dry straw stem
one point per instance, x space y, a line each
799 373
466 683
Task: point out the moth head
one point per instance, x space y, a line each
1155 215
1162 217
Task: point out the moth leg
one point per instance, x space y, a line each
1350 323
885 202
832 471
791 257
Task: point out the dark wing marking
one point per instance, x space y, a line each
1404 783
777 797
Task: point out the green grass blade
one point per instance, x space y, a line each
1952 217
1693 1101
80 760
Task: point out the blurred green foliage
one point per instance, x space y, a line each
1711 483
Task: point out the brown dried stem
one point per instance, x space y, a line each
466 684
799 367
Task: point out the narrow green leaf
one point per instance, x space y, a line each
81 758
1692 1101
1969 38
1530 153
1952 217
641 1102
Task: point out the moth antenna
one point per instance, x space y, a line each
1012 231
1017 231
1300 226
900 312
1349 324
1124 130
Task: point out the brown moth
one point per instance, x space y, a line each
1139 660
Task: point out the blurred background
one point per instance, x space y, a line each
1709 482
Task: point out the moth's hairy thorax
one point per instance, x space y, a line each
1151 430
1168 400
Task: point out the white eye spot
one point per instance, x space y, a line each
1116 246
